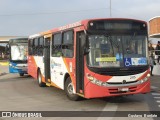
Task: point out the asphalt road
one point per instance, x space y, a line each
24 94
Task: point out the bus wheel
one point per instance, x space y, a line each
69 90
21 74
41 84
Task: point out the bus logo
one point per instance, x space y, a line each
124 82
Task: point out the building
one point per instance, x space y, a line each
154 27
154 34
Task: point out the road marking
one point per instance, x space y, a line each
155 93
154 87
109 107
4 63
157 97
158 101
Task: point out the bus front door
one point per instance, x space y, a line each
47 59
80 43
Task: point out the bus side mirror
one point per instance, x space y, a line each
7 49
86 51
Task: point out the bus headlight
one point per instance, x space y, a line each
95 81
144 79
148 75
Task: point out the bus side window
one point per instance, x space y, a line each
56 45
29 47
36 46
41 46
67 45
32 46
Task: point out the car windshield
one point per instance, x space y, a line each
117 50
19 51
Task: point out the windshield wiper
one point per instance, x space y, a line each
131 39
110 40
113 44
133 36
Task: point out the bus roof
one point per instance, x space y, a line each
19 38
77 24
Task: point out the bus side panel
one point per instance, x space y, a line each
70 68
39 65
59 68
32 67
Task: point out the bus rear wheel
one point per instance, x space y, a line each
41 84
69 90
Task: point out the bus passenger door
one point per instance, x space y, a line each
80 43
47 59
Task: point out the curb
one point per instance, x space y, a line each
4 73
4 63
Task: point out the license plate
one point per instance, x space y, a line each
123 89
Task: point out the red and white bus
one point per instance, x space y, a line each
92 58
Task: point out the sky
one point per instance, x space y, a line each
27 17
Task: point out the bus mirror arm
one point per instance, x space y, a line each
7 49
86 51
43 59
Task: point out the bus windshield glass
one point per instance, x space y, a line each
117 50
19 51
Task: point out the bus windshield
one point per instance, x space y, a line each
19 51
117 50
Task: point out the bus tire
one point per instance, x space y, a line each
21 74
69 90
40 83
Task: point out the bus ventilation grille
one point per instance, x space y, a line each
123 72
115 91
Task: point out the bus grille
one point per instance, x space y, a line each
115 90
123 72
119 83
